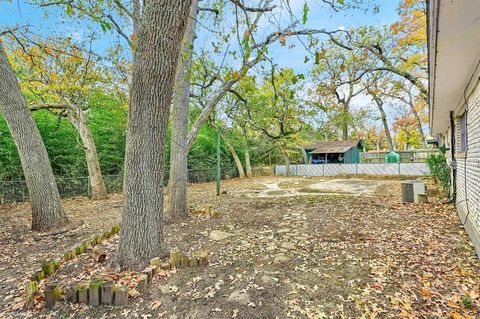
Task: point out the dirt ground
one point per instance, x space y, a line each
293 248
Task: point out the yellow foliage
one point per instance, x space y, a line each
411 28
55 71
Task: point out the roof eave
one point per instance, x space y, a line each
432 32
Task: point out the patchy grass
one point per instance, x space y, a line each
329 256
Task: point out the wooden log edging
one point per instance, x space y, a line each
30 292
179 260
52 294
50 266
101 292
97 291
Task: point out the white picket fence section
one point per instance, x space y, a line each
412 169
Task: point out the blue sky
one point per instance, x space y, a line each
320 16
21 13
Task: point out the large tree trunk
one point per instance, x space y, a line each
346 113
345 131
248 165
304 154
47 210
238 162
383 116
346 110
159 43
178 177
97 185
77 119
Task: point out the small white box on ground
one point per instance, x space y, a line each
411 189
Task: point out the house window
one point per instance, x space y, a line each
463 132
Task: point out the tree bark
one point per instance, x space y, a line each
383 116
47 210
156 57
345 101
304 154
97 185
77 119
418 120
238 162
178 176
419 128
248 165
346 113
205 114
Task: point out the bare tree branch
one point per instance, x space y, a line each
56 106
241 5
119 30
216 11
9 30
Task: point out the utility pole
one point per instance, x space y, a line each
218 161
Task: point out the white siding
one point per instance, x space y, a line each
468 170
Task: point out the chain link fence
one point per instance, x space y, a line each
263 171
407 169
16 191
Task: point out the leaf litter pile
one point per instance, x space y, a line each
310 255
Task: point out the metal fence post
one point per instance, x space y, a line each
356 168
218 175
399 168
323 169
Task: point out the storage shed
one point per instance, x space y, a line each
347 151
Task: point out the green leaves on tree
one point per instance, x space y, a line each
305 13
106 26
69 10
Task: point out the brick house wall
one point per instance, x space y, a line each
468 167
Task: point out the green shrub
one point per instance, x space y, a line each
439 170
